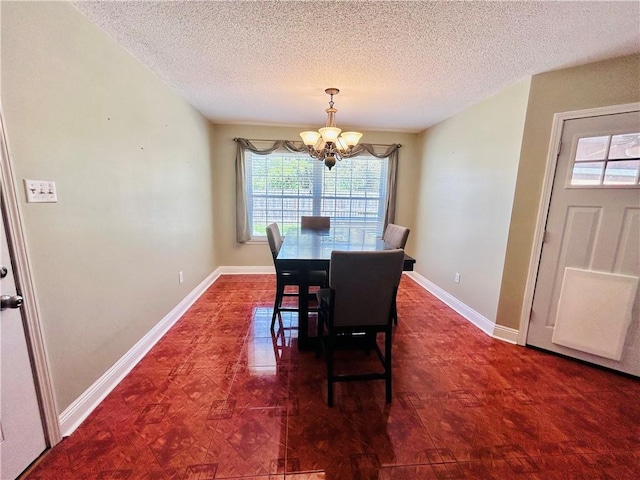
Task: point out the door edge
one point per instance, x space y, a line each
24 283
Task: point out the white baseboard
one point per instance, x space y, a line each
230 270
507 334
80 409
483 323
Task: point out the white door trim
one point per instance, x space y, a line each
22 270
545 200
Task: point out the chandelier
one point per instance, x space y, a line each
327 145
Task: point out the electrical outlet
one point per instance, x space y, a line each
456 278
180 277
40 191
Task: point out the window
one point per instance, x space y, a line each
283 186
609 160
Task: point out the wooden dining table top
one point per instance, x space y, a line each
315 246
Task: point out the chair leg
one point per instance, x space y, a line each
329 354
273 317
387 367
370 342
395 312
277 303
320 332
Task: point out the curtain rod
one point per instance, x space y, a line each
235 139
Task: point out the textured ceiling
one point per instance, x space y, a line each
399 65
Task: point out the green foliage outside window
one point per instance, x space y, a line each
283 186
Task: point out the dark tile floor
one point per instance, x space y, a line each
220 397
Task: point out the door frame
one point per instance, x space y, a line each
26 288
545 200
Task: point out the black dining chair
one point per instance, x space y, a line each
287 278
356 307
395 236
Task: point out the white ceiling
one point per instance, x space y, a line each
399 65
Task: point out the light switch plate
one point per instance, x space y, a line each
40 191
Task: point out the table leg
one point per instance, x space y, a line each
304 343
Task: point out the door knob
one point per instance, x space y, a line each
3 271
8 301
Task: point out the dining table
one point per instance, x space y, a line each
307 250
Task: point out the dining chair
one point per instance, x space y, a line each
395 236
287 278
356 307
315 222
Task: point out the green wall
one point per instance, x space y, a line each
132 165
469 168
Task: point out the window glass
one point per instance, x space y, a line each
587 173
625 146
281 187
592 148
621 173
605 161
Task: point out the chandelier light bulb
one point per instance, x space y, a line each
310 138
351 138
330 134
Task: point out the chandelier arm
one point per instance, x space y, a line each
316 154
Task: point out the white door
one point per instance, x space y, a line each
21 432
586 298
